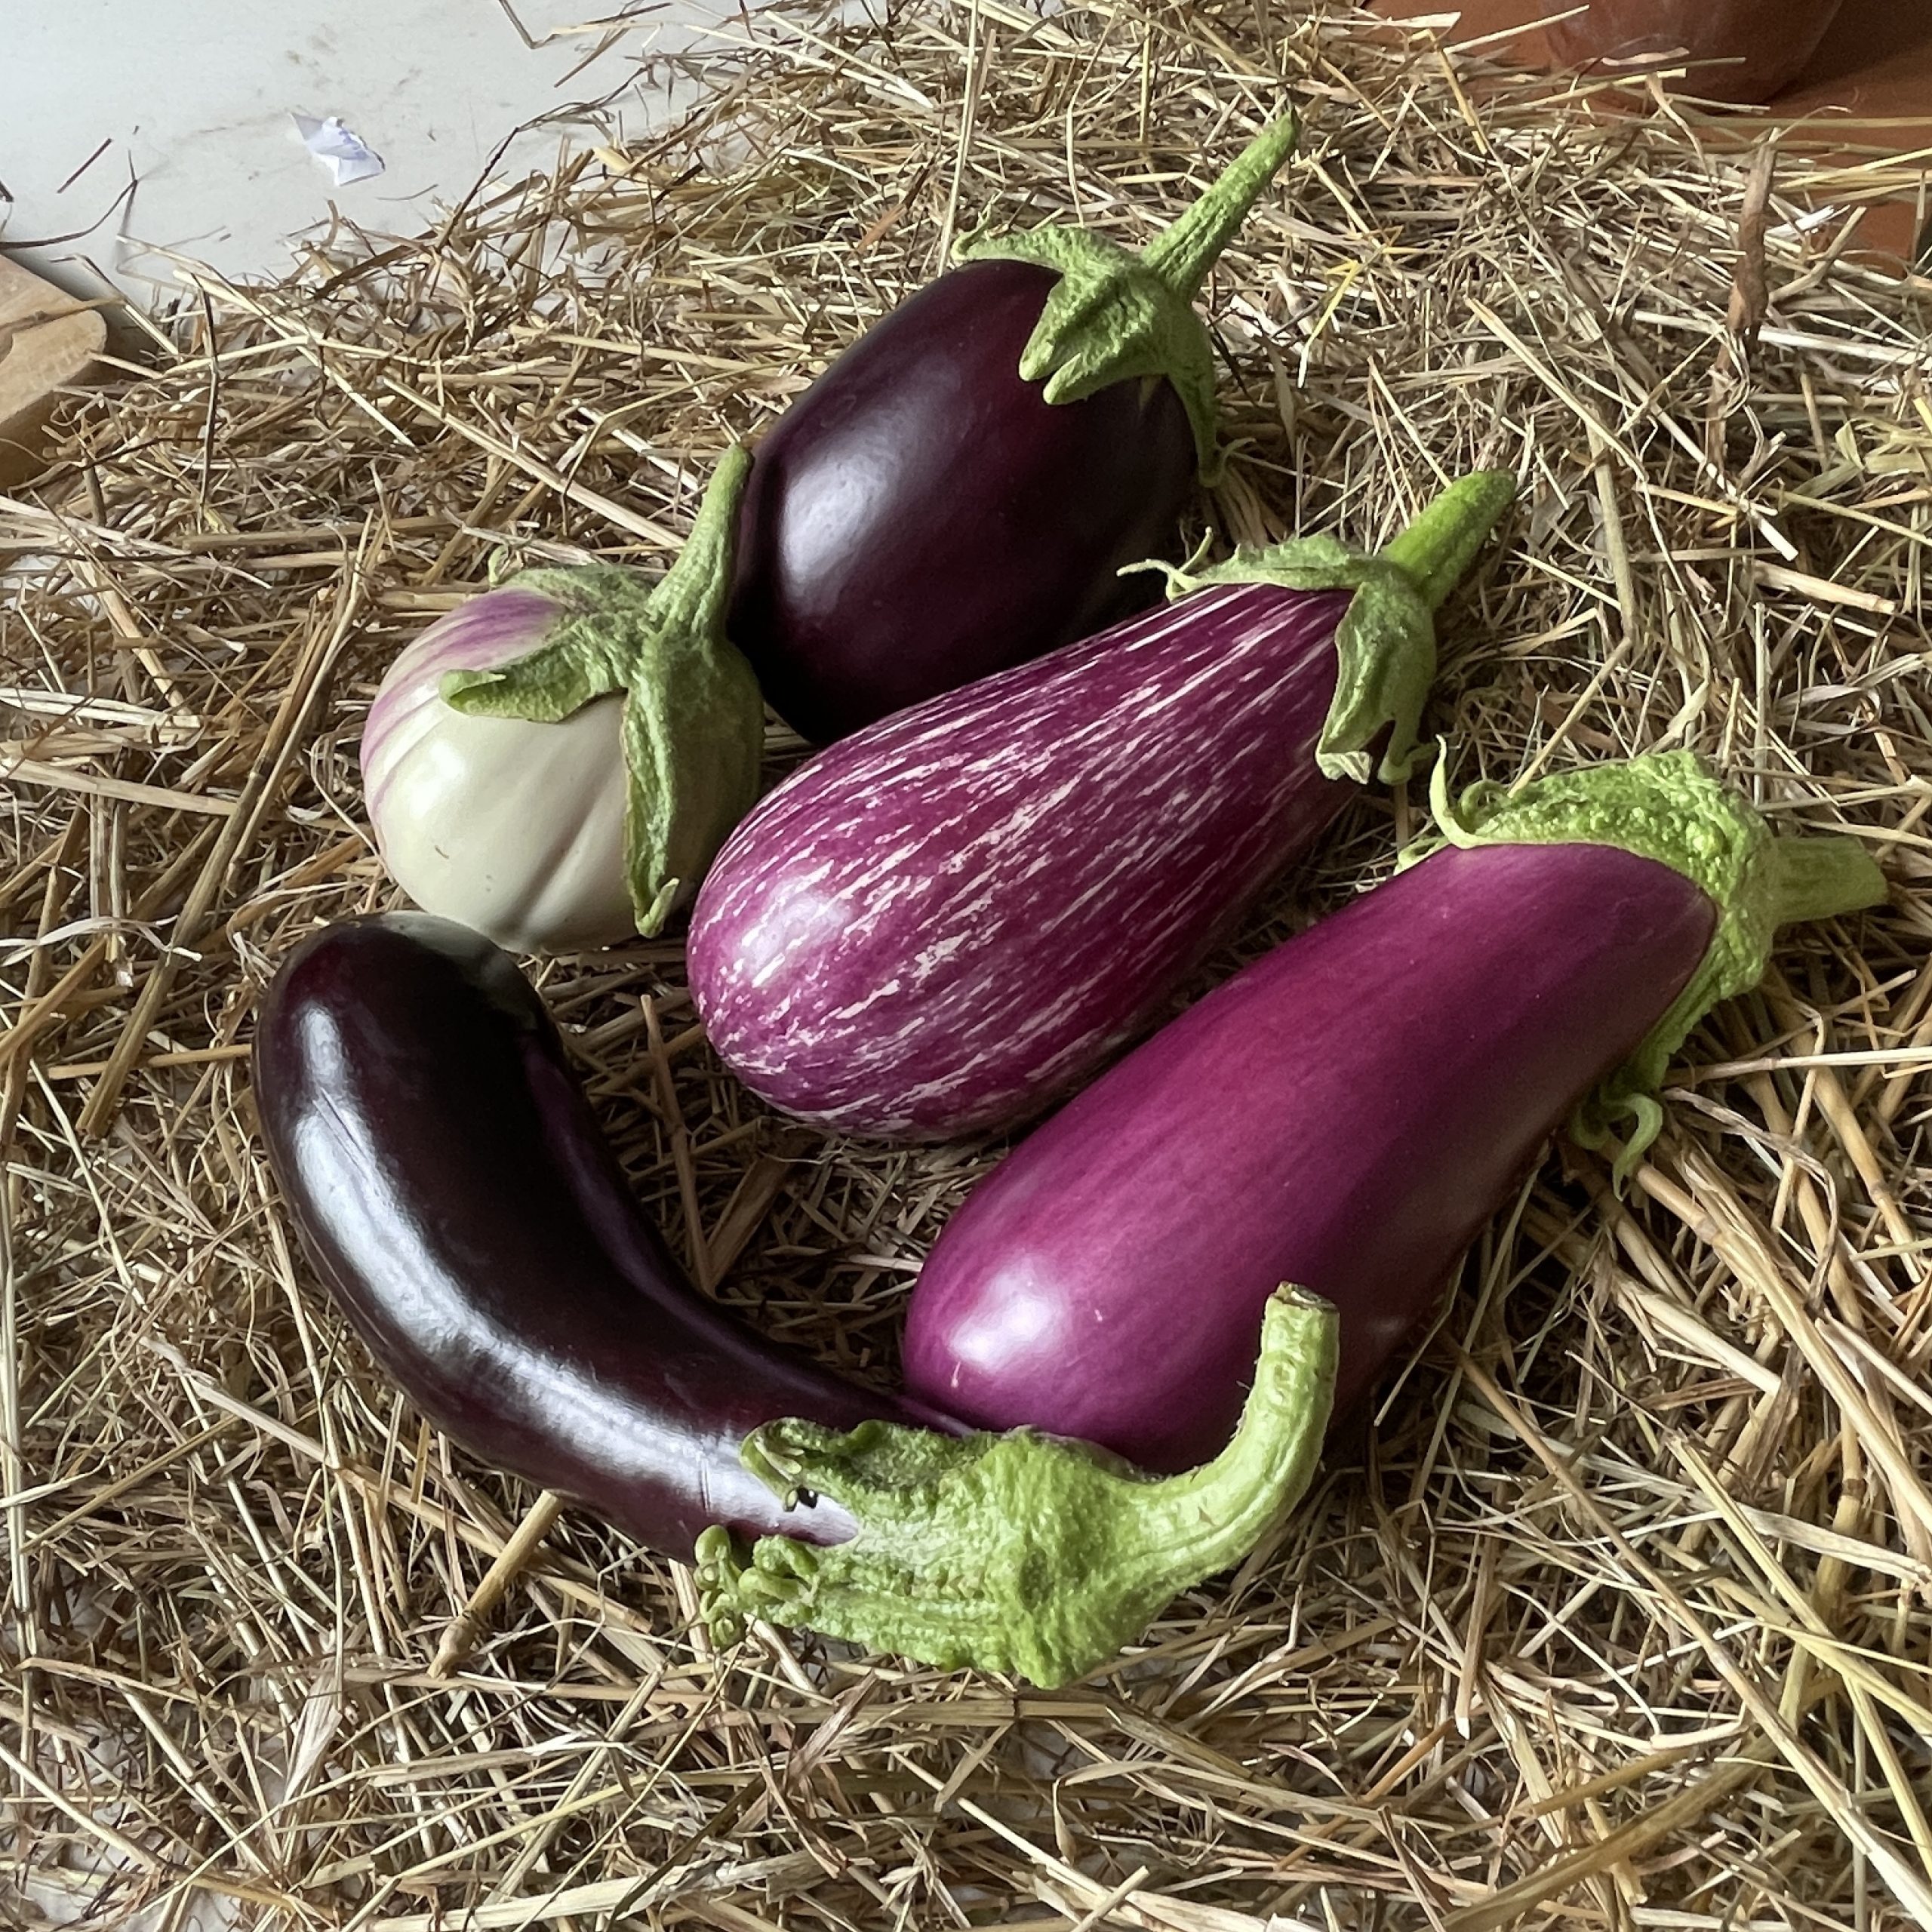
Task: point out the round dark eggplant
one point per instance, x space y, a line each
923 516
959 492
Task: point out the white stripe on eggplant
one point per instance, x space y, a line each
936 920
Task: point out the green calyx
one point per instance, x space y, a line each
1114 315
1021 1552
1385 645
1669 807
693 722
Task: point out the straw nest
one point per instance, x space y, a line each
1619 1616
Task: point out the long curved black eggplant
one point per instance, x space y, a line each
454 1193
448 1181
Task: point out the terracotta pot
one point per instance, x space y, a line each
1760 44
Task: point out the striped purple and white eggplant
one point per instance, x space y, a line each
554 763
1349 1111
943 924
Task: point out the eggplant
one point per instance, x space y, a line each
943 924
449 1184
556 762
516 828
958 491
1349 1110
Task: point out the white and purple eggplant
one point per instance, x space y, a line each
555 762
1349 1111
939 925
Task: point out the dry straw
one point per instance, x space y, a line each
1621 1618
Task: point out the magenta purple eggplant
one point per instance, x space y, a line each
452 1189
1348 1112
942 923
959 491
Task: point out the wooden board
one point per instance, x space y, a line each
48 342
1867 93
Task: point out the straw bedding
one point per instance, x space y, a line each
1618 1617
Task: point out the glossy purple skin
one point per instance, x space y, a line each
1346 1114
940 925
921 516
452 1189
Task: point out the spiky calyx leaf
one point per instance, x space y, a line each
1021 1552
1114 315
1669 807
1385 645
693 722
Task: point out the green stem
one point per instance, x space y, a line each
691 596
1820 878
693 728
1114 316
1183 252
1670 808
1190 1526
1022 1552
1435 551
1385 643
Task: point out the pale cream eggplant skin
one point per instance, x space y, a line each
514 830
556 763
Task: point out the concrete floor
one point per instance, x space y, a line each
129 130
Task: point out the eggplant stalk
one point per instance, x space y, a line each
1669 807
693 725
1385 646
1114 315
1020 1551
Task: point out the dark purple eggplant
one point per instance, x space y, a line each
457 1199
1349 1111
959 490
450 1185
